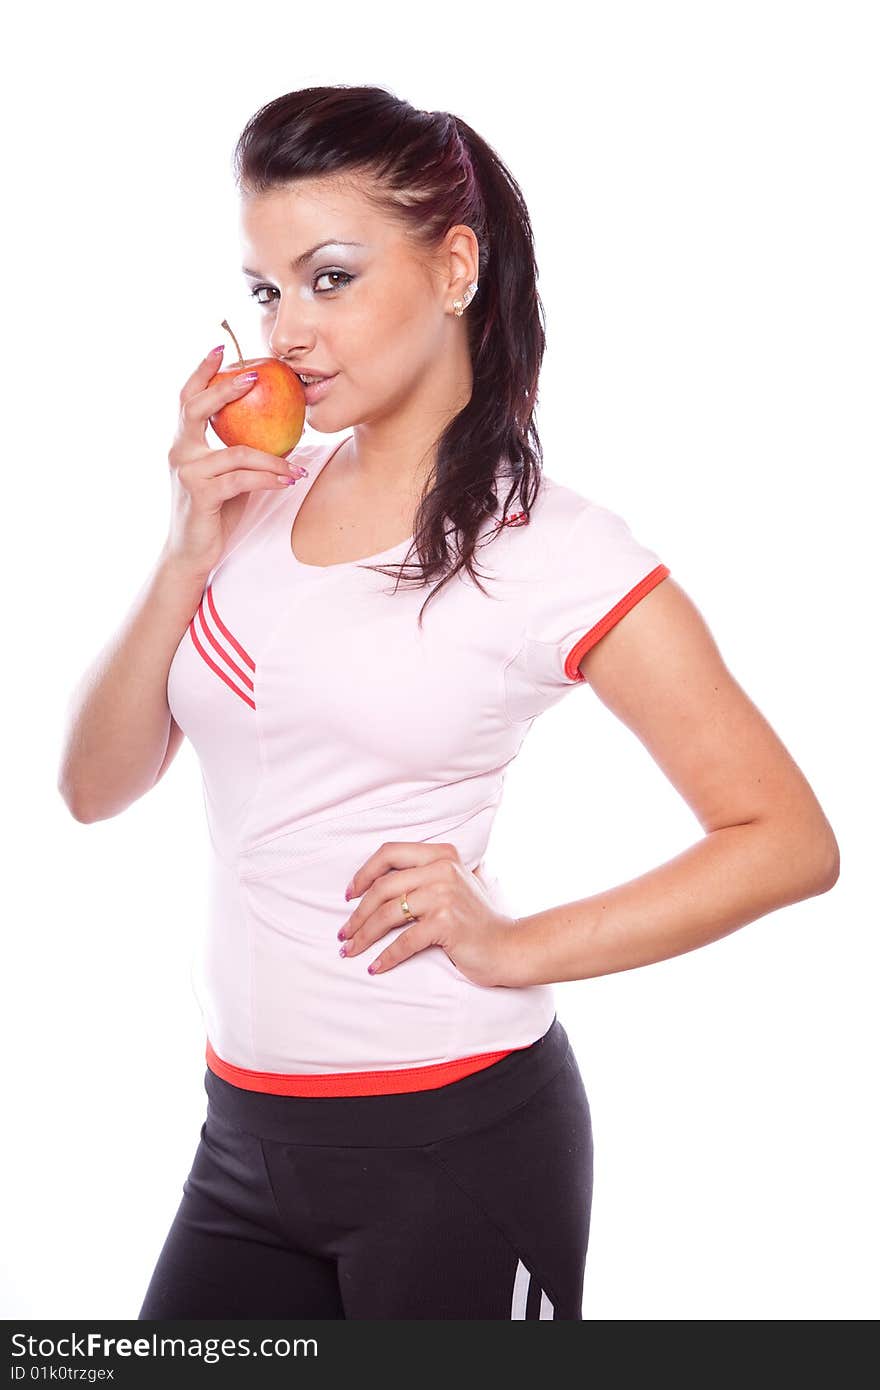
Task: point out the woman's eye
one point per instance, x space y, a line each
334 274
258 290
325 274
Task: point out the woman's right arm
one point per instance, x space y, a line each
119 722
120 735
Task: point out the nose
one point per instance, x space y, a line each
291 334
295 349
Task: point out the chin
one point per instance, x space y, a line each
320 424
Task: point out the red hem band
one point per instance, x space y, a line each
353 1083
589 639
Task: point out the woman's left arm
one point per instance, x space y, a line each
767 842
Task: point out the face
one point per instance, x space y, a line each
376 312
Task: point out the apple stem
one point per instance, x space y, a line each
225 325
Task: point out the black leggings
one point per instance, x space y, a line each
471 1200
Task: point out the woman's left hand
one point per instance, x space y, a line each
452 910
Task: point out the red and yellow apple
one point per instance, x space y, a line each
271 415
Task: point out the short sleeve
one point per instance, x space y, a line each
595 572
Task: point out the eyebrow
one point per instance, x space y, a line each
306 256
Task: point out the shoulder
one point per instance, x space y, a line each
534 544
558 509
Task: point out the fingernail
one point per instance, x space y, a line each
244 378
342 948
349 892
298 469
215 352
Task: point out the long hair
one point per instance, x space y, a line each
429 170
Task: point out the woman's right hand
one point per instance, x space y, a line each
204 481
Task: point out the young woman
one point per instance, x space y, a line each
396 1124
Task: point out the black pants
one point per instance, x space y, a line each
471 1200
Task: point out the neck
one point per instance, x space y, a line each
397 452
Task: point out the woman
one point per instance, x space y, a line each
397 1126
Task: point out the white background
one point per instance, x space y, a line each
702 179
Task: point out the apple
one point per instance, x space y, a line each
271 415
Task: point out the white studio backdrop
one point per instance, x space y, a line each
702 184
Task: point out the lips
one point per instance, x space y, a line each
318 389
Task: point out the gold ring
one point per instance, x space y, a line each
405 909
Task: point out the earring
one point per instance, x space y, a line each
459 305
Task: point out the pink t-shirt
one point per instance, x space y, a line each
326 723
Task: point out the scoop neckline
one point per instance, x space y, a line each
290 516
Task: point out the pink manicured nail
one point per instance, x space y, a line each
371 969
342 948
341 933
215 352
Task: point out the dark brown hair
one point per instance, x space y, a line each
430 171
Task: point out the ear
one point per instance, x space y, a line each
462 257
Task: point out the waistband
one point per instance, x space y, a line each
401 1119
351 1083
